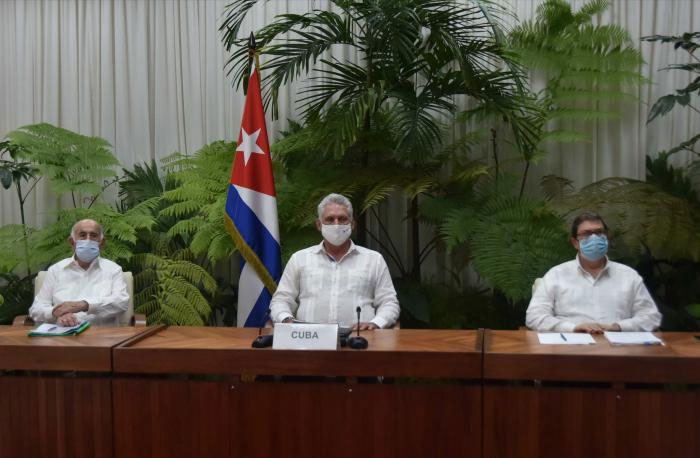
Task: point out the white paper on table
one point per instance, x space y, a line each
48 328
565 338
632 338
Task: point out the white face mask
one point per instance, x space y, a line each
336 234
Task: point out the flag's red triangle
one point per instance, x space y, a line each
256 172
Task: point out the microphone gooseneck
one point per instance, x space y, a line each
357 342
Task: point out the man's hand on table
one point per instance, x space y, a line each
596 328
364 326
68 319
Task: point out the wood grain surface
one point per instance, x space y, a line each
583 422
340 420
512 355
176 391
165 418
401 352
55 417
171 418
549 423
90 351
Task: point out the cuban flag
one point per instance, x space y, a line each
251 212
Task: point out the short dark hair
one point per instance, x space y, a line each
586 216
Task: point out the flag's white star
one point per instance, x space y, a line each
249 145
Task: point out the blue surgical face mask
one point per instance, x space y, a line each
594 247
87 250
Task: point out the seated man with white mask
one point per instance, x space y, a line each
84 286
591 293
327 282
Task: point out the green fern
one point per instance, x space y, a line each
120 231
170 291
588 67
72 162
511 240
198 200
12 260
642 218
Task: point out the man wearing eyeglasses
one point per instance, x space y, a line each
327 282
591 293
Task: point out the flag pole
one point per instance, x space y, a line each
252 54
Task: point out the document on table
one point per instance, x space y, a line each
49 330
565 338
632 338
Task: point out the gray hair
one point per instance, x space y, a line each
74 229
334 199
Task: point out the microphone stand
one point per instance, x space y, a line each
357 342
263 341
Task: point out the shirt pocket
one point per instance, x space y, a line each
311 281
573 300
359 284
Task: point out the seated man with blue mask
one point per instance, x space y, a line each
84 286
591 293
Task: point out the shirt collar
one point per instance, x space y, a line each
95 264
320 249
584 271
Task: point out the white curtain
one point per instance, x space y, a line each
149 77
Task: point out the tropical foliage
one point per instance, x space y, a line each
512 241
586 71
655 222
171 285
176 262
77 164
383 126
378 118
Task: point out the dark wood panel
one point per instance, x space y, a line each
655 423
171 418
522 422
55 417
512 355
90 351
340 420
415 353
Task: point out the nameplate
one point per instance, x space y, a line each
304 336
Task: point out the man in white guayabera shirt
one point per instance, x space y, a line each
84 286
327 282
591 293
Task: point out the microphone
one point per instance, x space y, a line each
263 341
357 342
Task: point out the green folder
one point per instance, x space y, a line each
51 330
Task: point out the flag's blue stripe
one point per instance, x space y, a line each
258 315
254 233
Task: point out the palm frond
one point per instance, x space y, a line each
377 194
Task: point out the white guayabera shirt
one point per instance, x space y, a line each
101 285
569 296
316 288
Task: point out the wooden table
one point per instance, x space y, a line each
57 414
212 406
180 391
594 400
